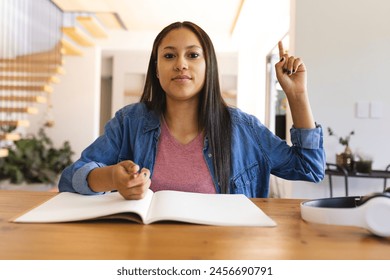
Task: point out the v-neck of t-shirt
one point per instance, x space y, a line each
176 142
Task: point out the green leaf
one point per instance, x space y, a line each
35 160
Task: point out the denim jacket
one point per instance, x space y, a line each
134 131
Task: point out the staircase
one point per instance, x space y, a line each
35 38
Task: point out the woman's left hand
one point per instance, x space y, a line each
291 74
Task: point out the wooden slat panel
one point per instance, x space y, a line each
44 60
44 88
28 110
77 35
15 123
37 99
230 95
54 56
110 20
10 136
92 26
69 48
33 69
38 79
3 152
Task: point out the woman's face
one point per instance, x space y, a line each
181 65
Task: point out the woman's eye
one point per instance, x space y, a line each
194 55
168 55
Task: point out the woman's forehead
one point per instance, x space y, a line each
180 38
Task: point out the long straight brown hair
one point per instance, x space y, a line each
214 116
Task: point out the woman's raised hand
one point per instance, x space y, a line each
291 74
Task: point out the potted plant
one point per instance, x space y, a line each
344 159
35 160
362 163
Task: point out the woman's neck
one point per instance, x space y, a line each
182 121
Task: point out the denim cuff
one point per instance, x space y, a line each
79 180
307 138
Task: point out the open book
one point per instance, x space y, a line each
197 208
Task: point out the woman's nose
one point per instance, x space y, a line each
181 64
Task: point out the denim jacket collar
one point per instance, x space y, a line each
152 122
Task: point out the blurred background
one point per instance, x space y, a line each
66 66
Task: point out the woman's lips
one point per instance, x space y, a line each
181 78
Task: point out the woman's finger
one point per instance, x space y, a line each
289 65
132 167
138 191
145 172
297 63
281 49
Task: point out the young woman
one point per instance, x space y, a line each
183 136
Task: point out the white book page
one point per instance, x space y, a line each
208 209
66 207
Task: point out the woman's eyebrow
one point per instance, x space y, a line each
188 47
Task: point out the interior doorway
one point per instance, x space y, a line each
276 101
105 93
277 115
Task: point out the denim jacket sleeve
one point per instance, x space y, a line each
304 160
131 135
103 151
257 153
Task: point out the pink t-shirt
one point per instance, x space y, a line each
181 167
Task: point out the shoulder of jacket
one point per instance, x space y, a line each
140 114
239 117
135 111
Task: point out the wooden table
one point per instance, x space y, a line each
292 239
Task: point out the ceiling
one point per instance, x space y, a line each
218 17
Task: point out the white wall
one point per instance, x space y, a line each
76 102
345 45
260 26
128 62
